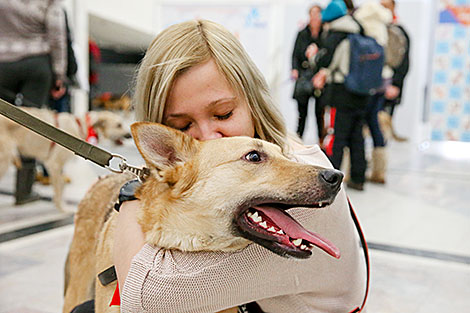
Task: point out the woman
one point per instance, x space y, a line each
301 71
196 77
32 56
349 107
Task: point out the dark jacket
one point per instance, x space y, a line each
299 60
334 56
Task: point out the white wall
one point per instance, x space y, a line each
418 17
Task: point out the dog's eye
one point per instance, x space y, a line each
253 156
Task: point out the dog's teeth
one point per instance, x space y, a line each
272 229
263 224
303 247
255 217
280 232
320 204
297 242
249 214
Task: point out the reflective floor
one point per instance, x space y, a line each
417 227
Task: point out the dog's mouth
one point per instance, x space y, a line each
272 227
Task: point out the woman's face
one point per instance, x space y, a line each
315 16
203 105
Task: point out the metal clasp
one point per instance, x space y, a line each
140 172
121 165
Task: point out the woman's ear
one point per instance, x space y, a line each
162 146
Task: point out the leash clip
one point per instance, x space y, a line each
140 172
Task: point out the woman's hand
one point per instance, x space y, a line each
311 51
128 239
392 92
58 91
319 79
294 74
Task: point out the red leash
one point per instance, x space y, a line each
366 256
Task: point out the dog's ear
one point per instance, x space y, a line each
162 146
98 124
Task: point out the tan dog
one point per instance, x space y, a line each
229 191
17 138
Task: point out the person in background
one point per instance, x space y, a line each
60 99
33 57
375 19
333 62
196 77
394 91
302 73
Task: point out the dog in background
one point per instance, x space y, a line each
222 190
109 101
16 140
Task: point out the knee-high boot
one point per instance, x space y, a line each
379 165
25 177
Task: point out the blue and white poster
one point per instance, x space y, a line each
450 90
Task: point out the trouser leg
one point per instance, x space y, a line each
9 81
320 116
32 77
37 81
373 106
25 177
302 107
356 148
342 135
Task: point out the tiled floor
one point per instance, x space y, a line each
418 227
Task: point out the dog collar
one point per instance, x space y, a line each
92 135
127 193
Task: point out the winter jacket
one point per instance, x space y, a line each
299 60
374 18
334 57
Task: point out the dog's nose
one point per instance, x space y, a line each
332 177
127 136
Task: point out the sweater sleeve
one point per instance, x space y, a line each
57 39
203 282
168 281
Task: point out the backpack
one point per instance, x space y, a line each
397 45
366 62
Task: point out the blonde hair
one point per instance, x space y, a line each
184 45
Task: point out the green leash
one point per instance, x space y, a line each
72 143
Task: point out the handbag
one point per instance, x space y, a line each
303 85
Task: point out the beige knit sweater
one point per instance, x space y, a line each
175 282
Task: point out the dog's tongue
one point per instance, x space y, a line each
294 230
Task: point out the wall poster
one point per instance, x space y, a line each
450 89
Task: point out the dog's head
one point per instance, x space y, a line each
109 125
221 194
